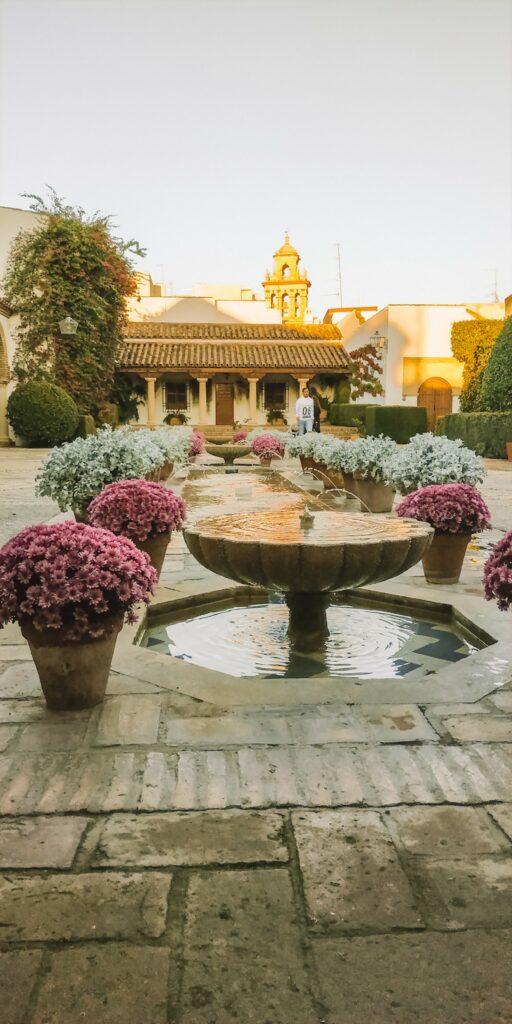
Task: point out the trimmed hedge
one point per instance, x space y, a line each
496 386
346 414
485 432
42 413
472 344
400 422
86 426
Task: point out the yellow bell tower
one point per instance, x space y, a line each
286 289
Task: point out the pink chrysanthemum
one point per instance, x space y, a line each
73 578
137 509
498 573
449 508
268 445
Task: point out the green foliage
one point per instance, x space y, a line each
348 414
496 389
86 426
42 413
485 432
127 392
472 343
366 367
108 414
273 415
400 422
69 265
341 391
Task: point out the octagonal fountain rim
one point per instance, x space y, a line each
329 529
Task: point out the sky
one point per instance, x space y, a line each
208 128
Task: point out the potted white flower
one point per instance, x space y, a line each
427 460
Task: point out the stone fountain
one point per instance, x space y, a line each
307 556
229 451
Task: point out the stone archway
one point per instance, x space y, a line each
4 377
436 396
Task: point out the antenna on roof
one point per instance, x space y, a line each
337 247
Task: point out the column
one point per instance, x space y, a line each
303 383
203 414
4 429
151 402
253 409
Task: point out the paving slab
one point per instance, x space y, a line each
114 984
29 710
128 720
87 906
351 872
502 701
18 975
243 954
231 731
421 978
55 733
503 815
40 842
445 831
395 723
470 893
20 680
491 728
7 733
200 838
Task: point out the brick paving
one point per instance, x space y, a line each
167 858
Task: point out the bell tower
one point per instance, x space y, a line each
286 288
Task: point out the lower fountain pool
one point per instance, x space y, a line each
249 637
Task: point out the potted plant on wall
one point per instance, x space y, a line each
267 447
70 586
277 418
455 511
176 418
498 573
145 512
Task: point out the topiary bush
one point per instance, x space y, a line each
496 387
42 413
400 422
472 343
348 414
86 426
485 432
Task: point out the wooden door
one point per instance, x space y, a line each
435 395
224 405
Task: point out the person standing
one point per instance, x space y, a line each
316 412
304 411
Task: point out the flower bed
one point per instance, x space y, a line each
449 508
72 579
498 573
137 509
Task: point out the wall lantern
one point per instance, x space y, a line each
378 340
68 325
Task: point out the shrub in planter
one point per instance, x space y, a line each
267 447
432 460
455 511
42 413
75 473
487 433
365 472
400 422
498 573
145 512
70 586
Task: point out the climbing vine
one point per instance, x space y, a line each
70 265
366 368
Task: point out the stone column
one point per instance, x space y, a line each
4 429
203 413
151 402
253 409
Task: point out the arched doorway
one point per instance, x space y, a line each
4 377
435 395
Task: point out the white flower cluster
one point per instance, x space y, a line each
367 456
310 446
427 459
75 473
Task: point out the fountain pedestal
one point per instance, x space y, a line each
307 626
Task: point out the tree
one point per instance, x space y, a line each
70 265
472 342
366 367
496 388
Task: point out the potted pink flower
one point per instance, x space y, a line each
197 442
455 511
70 587
239 436
267 447
498 573
145 512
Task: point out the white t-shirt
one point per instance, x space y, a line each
304 408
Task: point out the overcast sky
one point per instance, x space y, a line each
209 127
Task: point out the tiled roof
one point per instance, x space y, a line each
230 332
184 355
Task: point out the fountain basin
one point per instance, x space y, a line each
228 452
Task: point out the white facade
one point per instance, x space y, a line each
209 303
415 345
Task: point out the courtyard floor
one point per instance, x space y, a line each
203 849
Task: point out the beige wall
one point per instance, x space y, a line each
200 310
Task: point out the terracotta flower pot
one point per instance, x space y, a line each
266 461
165 471
73 673
442 561
318 470
155 546
334 480
351 484
509 450
306 463
378 497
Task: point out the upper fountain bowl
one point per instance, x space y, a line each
338 552
229 451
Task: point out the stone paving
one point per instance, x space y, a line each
201 849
